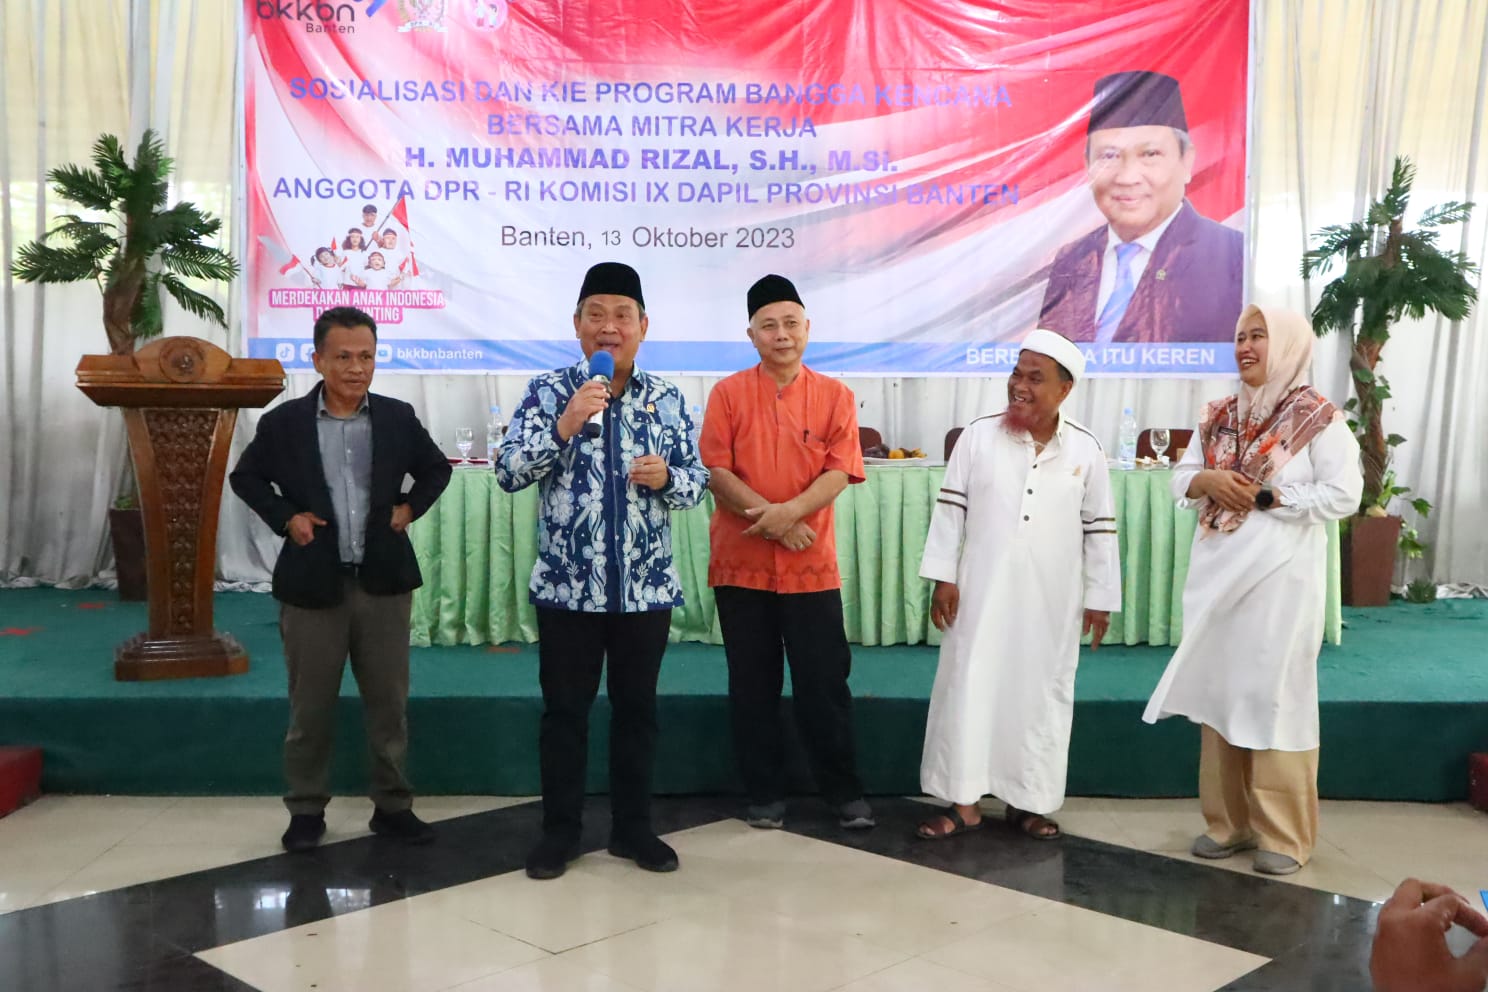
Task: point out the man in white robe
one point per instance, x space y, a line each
1021 543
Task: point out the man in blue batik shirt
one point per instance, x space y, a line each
604 585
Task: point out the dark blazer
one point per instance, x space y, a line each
280 474
1190 290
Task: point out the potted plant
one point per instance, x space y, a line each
127 534
1389 274
134 247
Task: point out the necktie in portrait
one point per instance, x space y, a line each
1126 285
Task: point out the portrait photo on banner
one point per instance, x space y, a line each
938 179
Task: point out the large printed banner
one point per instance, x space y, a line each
937 177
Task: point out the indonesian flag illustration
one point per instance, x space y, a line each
400 214
282 257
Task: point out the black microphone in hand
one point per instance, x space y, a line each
601 369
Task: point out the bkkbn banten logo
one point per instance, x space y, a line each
318 16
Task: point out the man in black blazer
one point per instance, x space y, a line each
326 471
1158 270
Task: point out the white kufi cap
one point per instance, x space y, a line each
1058 347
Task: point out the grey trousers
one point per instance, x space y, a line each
373 631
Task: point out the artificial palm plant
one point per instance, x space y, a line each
129 242
1389 273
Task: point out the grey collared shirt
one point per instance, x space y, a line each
346 457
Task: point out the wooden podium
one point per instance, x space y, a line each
180 398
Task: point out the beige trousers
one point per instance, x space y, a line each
1271 795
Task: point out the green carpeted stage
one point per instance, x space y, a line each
1404 701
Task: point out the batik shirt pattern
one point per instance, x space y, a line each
604 545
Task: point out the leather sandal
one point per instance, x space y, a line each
1027 824
928 830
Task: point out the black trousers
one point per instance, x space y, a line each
572 650
760 631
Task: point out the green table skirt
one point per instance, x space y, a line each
477 547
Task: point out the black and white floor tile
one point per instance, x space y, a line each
104 893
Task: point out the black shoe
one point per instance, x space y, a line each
305 831
402 826
550 857
645 849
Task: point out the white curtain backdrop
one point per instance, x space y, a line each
1342 86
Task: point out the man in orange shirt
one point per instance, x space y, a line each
781 443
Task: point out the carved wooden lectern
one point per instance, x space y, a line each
181 398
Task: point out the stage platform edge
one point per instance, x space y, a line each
1404 702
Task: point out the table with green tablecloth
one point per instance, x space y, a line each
477 546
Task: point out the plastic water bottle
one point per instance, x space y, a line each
1126 451
697 425
494 430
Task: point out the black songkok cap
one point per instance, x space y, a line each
771 289
612 279
1135 99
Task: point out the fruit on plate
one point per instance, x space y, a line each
881 451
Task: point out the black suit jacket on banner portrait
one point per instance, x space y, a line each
280 474
1190 290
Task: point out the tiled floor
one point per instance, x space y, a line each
63 847
1366 848
1112 907
752 910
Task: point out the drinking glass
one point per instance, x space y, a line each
1160 441
465 440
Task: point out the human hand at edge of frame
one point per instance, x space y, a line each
402 517
1410 949
799 537
944 603
1097 622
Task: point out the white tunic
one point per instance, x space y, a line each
393 258
1254 602
351 261
376 278
1030 541
326 276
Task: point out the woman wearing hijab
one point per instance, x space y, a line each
1268 469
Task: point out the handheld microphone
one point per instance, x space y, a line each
601 369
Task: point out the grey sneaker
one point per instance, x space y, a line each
1271 863
1205 846
855 815
770 816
